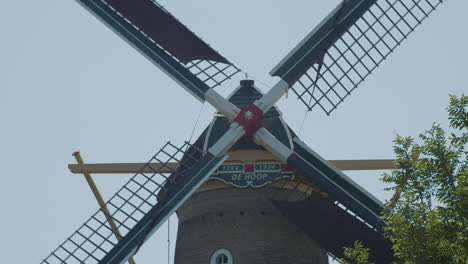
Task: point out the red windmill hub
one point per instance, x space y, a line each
250 118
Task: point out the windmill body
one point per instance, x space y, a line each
249 190
255 206
233 210
244 223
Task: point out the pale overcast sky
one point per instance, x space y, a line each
68 82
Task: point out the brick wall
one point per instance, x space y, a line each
244 222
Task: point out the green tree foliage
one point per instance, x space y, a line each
427 218
357 254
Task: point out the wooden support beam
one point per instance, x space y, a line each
132 168
112 168
373 164
101 201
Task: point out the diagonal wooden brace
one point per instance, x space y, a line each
101 202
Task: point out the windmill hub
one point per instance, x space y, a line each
250 118
248 115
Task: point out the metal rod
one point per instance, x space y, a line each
101 202
168 240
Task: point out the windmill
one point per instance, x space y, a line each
322 71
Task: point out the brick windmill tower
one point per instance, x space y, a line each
249 190
231 217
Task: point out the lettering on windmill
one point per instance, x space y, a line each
253 175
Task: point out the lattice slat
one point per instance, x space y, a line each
360 51
95 238
212 73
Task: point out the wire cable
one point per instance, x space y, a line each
168 240
257 80
303 121
196 123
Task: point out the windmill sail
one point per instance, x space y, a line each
326 177
331 208
138 208
333 227
338 55
165 41
342 188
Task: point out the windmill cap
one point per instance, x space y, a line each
247 82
